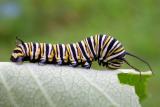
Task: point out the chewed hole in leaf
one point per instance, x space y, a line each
139 82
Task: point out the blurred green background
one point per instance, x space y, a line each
135 23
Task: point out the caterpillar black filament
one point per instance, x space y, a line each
107 50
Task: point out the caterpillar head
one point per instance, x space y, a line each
18 53
116 62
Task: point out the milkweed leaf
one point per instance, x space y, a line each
32 85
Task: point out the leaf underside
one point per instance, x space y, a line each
31 85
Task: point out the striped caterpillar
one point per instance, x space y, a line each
107 50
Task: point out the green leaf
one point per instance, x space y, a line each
139 82
31 85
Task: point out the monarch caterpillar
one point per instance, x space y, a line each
107 50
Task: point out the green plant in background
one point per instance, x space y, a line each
134 23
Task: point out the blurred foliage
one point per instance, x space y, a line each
134 23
